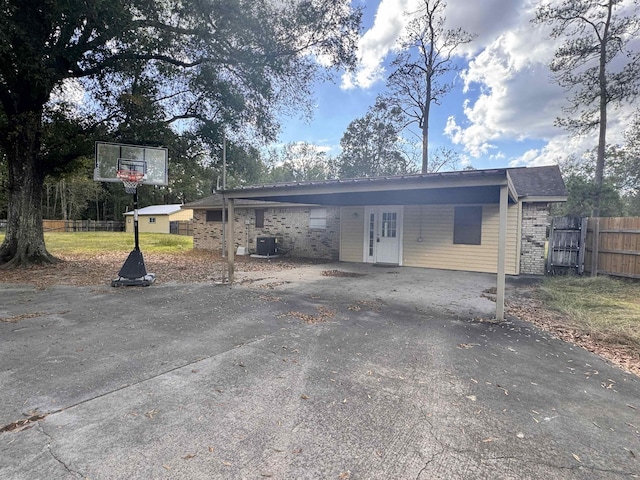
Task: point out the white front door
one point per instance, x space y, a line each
383 234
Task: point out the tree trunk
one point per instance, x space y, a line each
425 147
62 186
602 139
24 241
425 119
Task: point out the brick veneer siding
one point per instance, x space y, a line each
535 218
289 224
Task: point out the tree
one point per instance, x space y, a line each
444 159
231 62
422 69
298 162
372 145
581 198
594 63
628 165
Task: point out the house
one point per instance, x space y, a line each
158 218
444 220
491 220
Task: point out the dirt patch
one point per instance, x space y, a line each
525 303
371 305
324 315
24 316
340 273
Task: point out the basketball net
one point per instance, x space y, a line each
131 179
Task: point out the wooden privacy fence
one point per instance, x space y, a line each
618 246
82 226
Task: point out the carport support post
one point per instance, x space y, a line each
230 239
502 246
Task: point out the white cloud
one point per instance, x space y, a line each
378 41
478 18
557 150
486 19
510 99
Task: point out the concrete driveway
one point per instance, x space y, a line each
358 373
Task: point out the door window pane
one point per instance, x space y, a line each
389 224
372 232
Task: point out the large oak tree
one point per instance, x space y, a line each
211 63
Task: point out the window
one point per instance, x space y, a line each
152 219
318 218
259 217
214 215
389 225
467 225
372 233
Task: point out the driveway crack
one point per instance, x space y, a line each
53 454
429 462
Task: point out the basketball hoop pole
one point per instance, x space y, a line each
136 235
134 272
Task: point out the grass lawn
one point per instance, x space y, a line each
94 243
607 309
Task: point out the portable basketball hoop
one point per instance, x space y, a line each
133 165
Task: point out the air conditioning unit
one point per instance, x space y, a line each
267 246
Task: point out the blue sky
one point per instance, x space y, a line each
503 108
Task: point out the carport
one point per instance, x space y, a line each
464 187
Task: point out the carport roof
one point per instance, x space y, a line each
466 186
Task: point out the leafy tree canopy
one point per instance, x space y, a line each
297 162
192 65
372 145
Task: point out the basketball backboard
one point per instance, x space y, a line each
111 157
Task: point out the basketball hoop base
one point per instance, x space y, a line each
145 281
134 273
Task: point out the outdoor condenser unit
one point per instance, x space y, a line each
267 246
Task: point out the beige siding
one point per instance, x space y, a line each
351 234
182 215
161 224
434 225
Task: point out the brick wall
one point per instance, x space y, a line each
289 224
535 218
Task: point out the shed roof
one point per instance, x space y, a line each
158 210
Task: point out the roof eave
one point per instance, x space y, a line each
543 199
375 184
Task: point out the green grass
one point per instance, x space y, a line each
93 243
606 308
